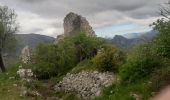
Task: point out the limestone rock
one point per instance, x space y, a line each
73 24
26 55
76 23
86 84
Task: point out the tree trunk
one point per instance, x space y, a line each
2 63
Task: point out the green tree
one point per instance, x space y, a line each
8 27
53 60
162 42
86 46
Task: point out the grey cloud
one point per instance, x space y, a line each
100 13
59 8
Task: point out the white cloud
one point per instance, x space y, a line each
33 23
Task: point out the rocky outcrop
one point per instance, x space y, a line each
86 84
26 55
59 37
74 23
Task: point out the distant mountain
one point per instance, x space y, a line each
138 38
123 42
149 34
32 40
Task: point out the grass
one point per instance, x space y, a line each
115 92
83 65
124 92
8 90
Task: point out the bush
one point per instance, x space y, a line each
53 60
109 59
140 64
86 47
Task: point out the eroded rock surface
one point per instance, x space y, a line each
76 23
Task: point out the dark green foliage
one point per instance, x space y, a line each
86 47
163 40
83 65
160 80
109 59
140 64
53 60
125 92
161 77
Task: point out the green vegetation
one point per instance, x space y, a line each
160 79
146 69
86 47
8 27
141 62
8 80
163 40
53 60
140 72
109 59
126 92
58 59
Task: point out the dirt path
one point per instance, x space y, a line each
163 95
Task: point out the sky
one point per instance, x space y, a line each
107 17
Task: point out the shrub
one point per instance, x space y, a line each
53 60
86 47
109 59
140 64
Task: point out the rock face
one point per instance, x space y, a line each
75 23
86 84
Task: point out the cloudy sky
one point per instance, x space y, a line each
107 17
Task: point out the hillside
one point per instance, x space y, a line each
123 42
32 40
78 65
